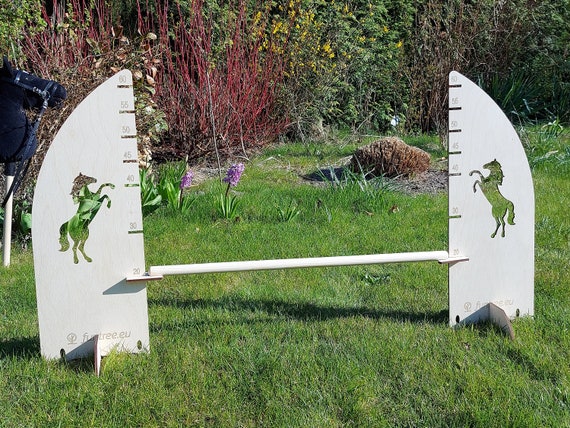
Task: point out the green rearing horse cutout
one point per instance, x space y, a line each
77 227
489 185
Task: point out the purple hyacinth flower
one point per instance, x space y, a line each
234 174
186 180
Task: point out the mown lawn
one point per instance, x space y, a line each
362 346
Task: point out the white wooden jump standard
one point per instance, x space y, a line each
7 228
88 233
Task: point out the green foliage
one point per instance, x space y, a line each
367 194
21 220
289 213
516 48
15 16
185 202
170 175
169 187
360 63
346 60
544 55
227 206
150 196
24 217
319 65
166 190
369 37
517 95
547 146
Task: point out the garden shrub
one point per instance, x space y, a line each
345 63
215 78
512 47
80 44
14 16
220 76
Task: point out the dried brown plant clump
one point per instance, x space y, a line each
390 157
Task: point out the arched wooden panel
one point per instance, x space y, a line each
88 197
491 208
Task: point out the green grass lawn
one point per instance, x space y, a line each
362 346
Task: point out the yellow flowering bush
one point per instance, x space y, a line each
344 60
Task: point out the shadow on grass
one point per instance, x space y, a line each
28 348
21 347
331 174
297 311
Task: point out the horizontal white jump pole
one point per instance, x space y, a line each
190 269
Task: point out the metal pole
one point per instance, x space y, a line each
297 263
7 240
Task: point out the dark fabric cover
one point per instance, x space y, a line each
14 124
15 128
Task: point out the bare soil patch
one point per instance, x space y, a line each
432 181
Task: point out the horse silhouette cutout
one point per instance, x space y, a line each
77 227
489 185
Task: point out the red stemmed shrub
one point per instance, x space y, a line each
220 79
210 80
